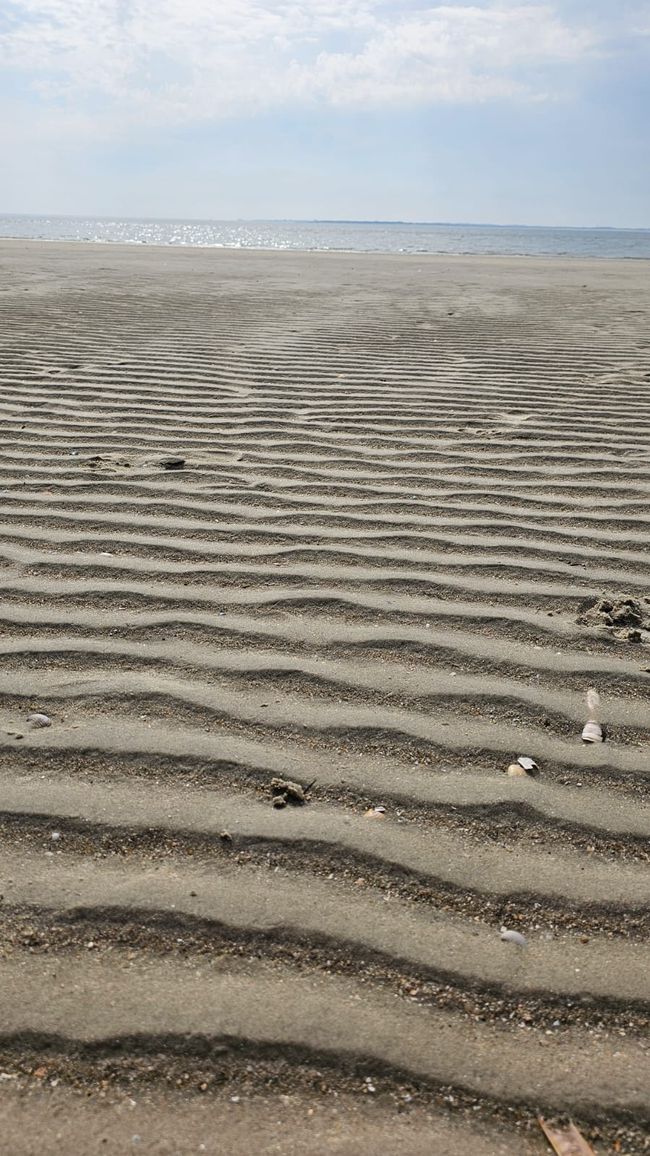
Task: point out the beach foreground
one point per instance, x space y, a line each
346 521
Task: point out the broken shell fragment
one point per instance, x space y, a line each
592 732
375 813
527 764
513 937
39 720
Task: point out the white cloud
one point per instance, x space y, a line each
189 60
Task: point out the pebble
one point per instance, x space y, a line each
39 720
513 937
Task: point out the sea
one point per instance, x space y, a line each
343 236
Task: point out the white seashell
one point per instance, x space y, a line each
592 732
527 764
514 937
39 720
593 704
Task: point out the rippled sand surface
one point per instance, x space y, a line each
333 519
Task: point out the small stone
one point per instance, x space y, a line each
279 802
172 463
39 720
513 937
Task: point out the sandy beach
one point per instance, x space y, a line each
373 525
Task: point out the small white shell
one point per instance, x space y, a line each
592 732
514 937
527 764
39 720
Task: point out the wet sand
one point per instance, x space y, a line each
341 520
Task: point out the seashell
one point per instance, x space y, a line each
593 704
515 770
592 732
39 720
513 937
375 813
527 764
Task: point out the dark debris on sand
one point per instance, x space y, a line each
626 618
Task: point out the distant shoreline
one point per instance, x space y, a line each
307 254
143 246
413 240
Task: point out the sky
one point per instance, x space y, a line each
491 111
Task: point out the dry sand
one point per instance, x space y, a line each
404 481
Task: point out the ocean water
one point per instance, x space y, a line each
355 236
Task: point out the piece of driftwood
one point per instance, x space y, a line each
566 1141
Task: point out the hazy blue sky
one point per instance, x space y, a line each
490 111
